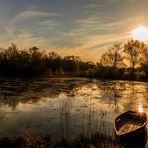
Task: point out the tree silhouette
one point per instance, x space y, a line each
112 57
71 63
14 61
144 60
133 50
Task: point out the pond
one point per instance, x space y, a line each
65 108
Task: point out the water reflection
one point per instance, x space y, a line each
65 115
14 91
66 107
112 91
140 108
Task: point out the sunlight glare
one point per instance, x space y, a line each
140 108
140 33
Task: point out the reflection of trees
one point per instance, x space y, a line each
127 94
136 96
15 91
131 97
111 92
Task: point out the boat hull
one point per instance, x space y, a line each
132 138
133 118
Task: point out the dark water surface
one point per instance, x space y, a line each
66 107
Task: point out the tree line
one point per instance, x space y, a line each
120 61
127 61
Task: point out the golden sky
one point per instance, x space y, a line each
85 28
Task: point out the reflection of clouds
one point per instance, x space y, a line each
33 90
5 108
24 107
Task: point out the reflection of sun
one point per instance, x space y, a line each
140 108
140 33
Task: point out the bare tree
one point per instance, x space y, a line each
112 57
144 60
133 50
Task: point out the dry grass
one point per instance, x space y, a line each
32 141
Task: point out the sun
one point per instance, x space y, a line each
140 33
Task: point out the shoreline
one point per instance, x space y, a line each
67 76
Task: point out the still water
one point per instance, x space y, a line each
66 107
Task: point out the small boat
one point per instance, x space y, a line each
130 123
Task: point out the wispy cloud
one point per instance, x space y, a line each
49 24
25 36
94 34
12 26
26 40
32 14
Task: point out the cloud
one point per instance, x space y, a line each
32 14
89 38
94 34
49 24
91 47
26 35
26 40
12 25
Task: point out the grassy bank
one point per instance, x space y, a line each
30 141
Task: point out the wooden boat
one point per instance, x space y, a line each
130 123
